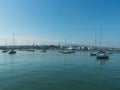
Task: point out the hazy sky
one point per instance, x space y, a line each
51 21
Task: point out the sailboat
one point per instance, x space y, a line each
109 51
43 50
66 50
95 52
5 49
102 54
12 51
59 48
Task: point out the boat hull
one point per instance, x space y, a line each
12 52
92 54
43 51
66 52
4 51
102 56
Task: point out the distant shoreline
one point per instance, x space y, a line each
79 47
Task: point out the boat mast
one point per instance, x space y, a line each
100 37
95 39
108 44
13 40
59 46
65 41
5 43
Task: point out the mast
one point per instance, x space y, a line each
13 39
100 37
108 44
5 43
95 39
65 41
12 51
59 46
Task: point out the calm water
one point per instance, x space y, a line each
56 71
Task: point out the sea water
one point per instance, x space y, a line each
56 71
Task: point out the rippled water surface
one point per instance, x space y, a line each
56 71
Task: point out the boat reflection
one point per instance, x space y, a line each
102 61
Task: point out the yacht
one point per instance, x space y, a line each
12 51
93 53
43 50
4 51
102 55
108 52
71 49
66 52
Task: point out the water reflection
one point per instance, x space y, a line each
4 59
71 72
102 61
12 61
67 59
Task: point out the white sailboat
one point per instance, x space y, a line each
12 51
66 50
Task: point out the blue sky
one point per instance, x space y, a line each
51 21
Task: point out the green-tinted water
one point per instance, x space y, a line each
56 71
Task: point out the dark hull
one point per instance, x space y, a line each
12 52
102 57
4 51
43 51
92 54
66 52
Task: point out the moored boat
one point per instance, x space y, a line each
12 51
43 50
109 52
66 52
102 55
4 51
93 53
